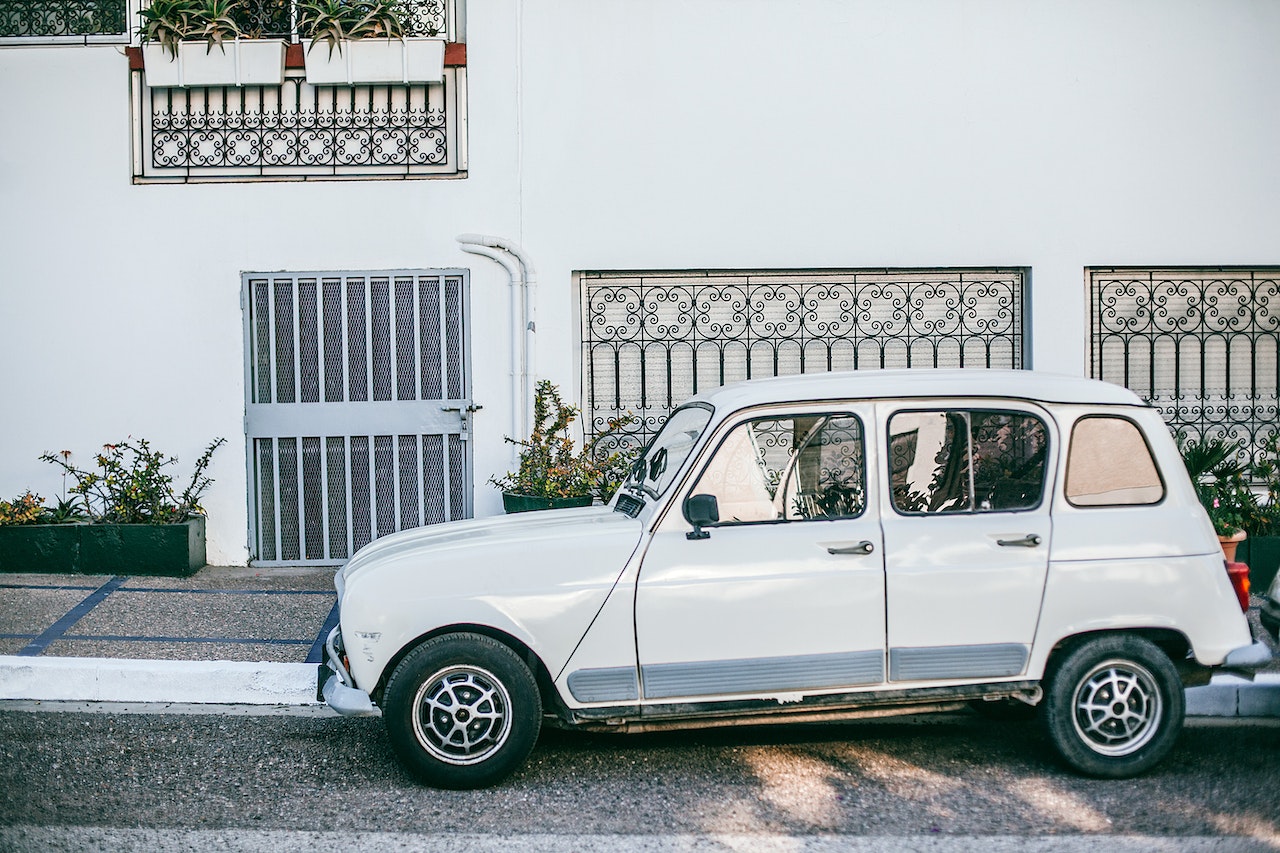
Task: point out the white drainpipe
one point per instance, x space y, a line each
523 291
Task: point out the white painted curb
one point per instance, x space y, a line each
59 679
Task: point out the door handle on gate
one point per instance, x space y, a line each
863 547
1031 540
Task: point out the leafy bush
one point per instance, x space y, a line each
1220 484
1267 469
133 486
24 509
550 464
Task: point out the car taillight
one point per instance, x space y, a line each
1239 574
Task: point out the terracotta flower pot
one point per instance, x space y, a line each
1230 543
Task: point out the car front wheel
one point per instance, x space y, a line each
462 711
1114 707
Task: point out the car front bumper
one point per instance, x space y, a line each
336 687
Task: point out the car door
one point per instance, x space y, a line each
786 592
967 531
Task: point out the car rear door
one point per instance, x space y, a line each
967 530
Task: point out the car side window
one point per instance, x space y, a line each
966 461
1110 464
788 469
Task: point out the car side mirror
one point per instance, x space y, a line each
701 511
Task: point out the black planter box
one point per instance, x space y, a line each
1262 553
175 550
511 502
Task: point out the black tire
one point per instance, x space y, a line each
1004 710
462 711
1114 706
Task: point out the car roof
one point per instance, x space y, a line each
920 383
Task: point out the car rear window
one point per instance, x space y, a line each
1110 464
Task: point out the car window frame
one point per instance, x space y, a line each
712 450
1045 419
1151 454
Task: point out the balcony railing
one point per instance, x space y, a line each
300 131
36 22
296 131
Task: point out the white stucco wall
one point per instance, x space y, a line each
609 134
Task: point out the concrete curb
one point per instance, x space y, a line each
58 679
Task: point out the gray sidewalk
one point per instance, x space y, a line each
229 635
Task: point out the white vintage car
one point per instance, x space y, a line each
820 547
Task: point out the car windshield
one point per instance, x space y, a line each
656 469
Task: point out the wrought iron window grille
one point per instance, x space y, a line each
38 22
652 339
1202 345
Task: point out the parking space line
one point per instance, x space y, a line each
74 615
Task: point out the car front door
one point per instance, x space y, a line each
967 529
785 594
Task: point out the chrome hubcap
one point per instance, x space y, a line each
462 715
1117 708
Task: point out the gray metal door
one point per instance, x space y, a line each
358 406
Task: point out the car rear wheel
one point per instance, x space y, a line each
1114 707
462 711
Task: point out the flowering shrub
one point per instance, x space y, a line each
24 509
550 464
133 486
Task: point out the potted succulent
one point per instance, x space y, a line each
201 43
346 42
125 517
1220 484
553 473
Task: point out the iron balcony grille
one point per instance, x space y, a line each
653 339
296 131
64 21
1201 344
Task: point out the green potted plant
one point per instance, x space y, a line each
201 43
346 42
125 517
553 473
1220 484
1262 549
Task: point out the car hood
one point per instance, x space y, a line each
527 533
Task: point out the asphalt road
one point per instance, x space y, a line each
955 777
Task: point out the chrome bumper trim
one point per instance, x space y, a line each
338 688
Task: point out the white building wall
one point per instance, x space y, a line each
610 134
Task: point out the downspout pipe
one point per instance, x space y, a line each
524 281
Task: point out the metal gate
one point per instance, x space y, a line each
358 406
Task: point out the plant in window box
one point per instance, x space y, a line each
1221 488
126 517
201 43
346 42
553 473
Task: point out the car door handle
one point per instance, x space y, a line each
1031 540
863 547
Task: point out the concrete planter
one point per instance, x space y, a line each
1262 554
244 62
512 502
375 60
175 550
